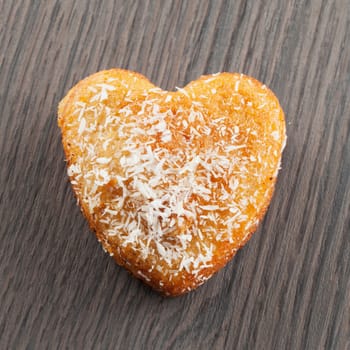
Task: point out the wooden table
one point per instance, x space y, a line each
289 288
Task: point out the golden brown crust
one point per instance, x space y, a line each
230 119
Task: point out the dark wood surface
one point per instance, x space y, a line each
289 288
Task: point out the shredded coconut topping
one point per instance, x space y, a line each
160 170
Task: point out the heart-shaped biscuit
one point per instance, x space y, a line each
173 183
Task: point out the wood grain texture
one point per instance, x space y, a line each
289 288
